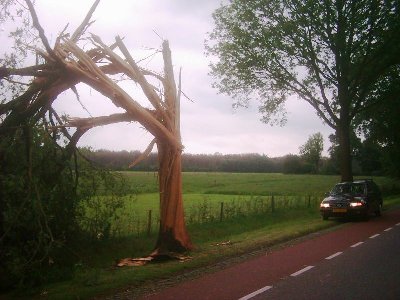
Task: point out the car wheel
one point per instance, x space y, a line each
378 212
365 217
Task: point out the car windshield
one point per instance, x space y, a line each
348 188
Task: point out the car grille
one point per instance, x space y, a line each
338 204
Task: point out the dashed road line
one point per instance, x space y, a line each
262 290
357 244
374 236
266 288
334 255
301 271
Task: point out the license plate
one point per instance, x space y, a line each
340 210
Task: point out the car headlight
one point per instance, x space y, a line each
325 205
356 204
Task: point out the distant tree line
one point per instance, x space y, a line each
120 160
368 159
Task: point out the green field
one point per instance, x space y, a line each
249 222
210 197
247 183
239 183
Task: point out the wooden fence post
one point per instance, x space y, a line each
221 213
149 223
272 203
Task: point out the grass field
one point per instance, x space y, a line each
210 197
245 183
248 223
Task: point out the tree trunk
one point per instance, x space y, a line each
173 236
345 158
343 64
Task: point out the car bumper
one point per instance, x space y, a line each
343 212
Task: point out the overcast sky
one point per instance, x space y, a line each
208 122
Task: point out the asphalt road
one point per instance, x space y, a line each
367 270
360 260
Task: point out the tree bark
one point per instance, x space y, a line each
173 236
345 159
343 74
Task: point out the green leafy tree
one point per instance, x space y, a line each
369 156
331 54
381 124
312 150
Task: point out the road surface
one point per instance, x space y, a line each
327 266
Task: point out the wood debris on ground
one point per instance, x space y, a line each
227 243
134 262
137 262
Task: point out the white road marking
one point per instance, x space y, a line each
302 271
357 244
374 236
334 255
266 288
249 296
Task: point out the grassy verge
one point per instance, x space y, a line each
248 224
98 276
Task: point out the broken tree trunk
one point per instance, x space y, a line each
173 236
163 123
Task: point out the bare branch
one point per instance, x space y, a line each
85 24
186 96
16 82
73 88
62 126
87 123
36 71
147 89
40 29
144 155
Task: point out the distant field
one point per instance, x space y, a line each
238 183
245 183
210 197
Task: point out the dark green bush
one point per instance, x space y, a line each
43 189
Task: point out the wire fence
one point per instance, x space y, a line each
129 222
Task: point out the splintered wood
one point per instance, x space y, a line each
138 262
134 262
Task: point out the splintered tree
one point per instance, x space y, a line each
66 64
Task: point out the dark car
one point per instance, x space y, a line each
357 198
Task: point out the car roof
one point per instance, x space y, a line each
357 181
